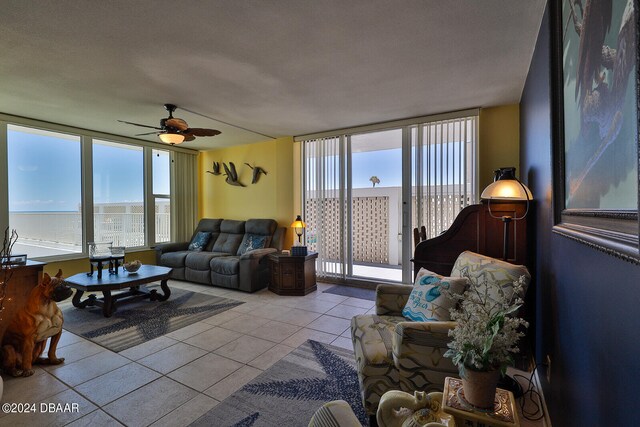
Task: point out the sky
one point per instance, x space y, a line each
387 166
45 172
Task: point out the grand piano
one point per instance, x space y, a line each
474 229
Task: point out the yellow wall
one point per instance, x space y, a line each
499 141
75 266
271 197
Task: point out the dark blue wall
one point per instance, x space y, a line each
587 303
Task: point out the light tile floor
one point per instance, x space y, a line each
174 379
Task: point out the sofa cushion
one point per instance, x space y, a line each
211 225
200 241
264 227
255 228
228 265
427 302
201 260
251 242
231 235
174 259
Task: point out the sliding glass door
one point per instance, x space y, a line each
365 191
374 190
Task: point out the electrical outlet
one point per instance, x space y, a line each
548 368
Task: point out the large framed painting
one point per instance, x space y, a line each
595 116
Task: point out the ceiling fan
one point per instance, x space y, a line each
173 130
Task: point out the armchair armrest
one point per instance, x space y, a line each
391 299
169 247
412 337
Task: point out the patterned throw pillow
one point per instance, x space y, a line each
427 302
199 241
253 242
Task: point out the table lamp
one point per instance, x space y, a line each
298 226
506 187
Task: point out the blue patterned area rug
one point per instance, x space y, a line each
288 393
352 291
139 321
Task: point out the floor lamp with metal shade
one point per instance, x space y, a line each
506 187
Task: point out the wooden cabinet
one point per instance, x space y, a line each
477 230
23 280
292 275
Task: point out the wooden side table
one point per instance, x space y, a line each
23 280
505 413
292 275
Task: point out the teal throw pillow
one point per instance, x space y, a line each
252 242
427 302
199 241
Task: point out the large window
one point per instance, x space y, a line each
161 161
65 187
45 194
118 194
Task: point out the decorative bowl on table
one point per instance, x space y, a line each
132 266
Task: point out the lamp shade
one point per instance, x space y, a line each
298 223
171 138
506 186
507 189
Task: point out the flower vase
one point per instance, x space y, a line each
480 387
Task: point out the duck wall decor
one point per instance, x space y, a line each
232 175
256 173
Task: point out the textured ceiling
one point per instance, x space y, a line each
285 67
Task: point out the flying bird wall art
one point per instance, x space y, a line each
231 175
257 170
216 169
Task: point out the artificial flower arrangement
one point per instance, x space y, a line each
486 335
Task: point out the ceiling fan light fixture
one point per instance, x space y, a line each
171 138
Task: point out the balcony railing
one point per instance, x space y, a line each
376 224
56 233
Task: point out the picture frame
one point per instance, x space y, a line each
595 92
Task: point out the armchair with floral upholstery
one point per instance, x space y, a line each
394 353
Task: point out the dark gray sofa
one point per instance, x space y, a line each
220 263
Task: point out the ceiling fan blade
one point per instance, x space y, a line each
188 137
203 132
148 133
177 123
138 124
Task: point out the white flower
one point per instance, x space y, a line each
487 333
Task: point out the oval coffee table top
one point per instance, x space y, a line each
124 279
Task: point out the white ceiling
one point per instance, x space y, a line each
285 67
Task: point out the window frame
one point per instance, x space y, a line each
154 196
86 158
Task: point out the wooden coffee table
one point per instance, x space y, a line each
113 282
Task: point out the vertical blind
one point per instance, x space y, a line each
443 175
444 172
325 203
